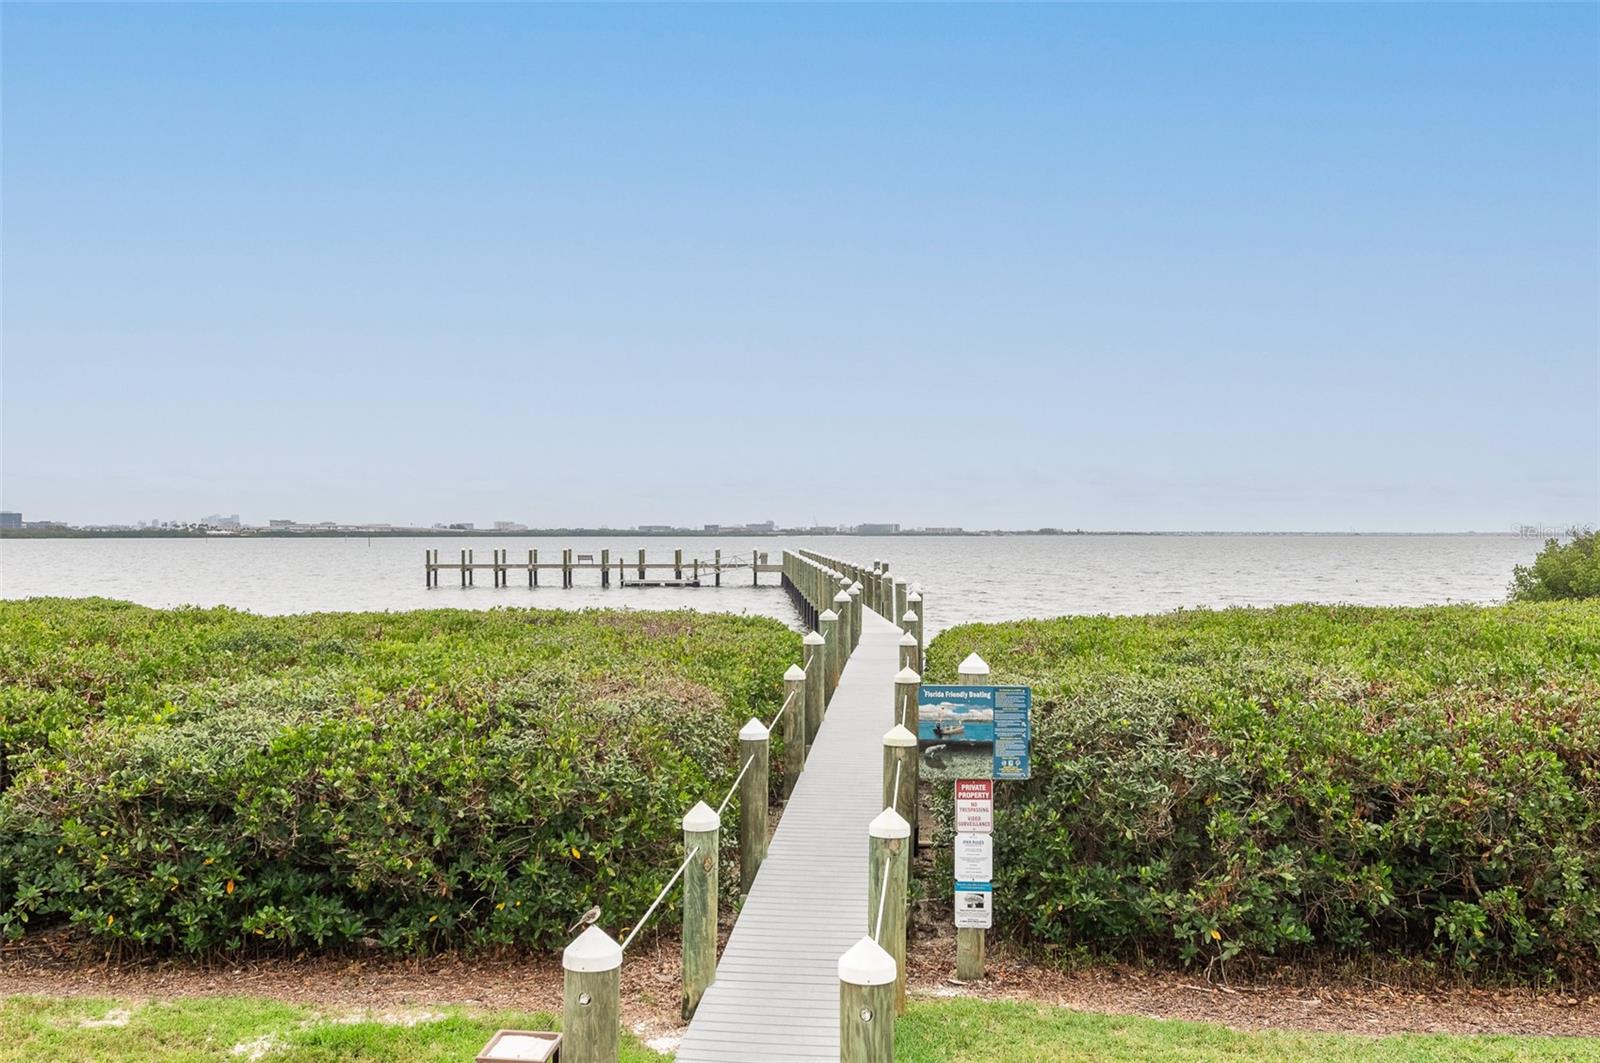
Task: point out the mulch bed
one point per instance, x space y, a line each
56 966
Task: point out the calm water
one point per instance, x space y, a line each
965 578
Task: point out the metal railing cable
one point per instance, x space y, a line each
773 725
883 894
648 912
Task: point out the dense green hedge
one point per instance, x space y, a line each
1419 782
196 780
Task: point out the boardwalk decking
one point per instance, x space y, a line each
776 997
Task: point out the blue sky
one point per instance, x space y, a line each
1144 267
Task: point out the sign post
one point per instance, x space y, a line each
974 735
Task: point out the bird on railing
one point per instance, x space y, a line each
588 918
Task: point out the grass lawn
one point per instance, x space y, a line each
959 1031
187 1031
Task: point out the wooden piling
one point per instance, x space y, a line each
701 836
605 568
866 1004
641 566
677 564
716 560
591 998
905 698
971 941
914 603
888 862
828 624
900 771
754 750
793 727
899 600
815 649
855 612
847 640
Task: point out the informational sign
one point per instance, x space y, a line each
974 732
974 905
974 857
974 806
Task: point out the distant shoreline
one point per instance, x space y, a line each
599 533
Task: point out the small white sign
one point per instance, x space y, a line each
974 905
974 857
975 805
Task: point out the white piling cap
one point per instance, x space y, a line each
842 597
910 617
889 824
856 588
814 638
899 736
829 615
593 950
908 639
974 665
755 730
701 818
906 675
795 672
866 964
914 596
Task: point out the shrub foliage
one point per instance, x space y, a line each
1424 782
203 780
1561 571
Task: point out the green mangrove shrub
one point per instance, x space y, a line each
1254 783
403 782
1561 571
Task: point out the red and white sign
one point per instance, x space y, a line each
975 806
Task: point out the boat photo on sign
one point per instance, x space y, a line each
973 732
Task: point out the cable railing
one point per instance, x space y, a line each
829 599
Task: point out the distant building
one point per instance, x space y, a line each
763 526
509 525
712 529
281 525
465 525
218 520
943 531
877 529
654 528
10 520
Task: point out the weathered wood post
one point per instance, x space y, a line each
900 771
886 595
914 604
855 612
900 590
815 656
716 561
866 1004
828 624
641 566
889 861
908 652
905 698
677 564
472 574
701 835
754 750
591 998
970 941
605 568
847 641
794 727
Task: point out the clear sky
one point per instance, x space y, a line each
1203 267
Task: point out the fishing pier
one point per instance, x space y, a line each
612 571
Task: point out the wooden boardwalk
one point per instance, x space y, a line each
776 997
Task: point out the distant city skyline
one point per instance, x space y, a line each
1208 268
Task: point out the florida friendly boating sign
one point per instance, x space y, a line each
973 732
